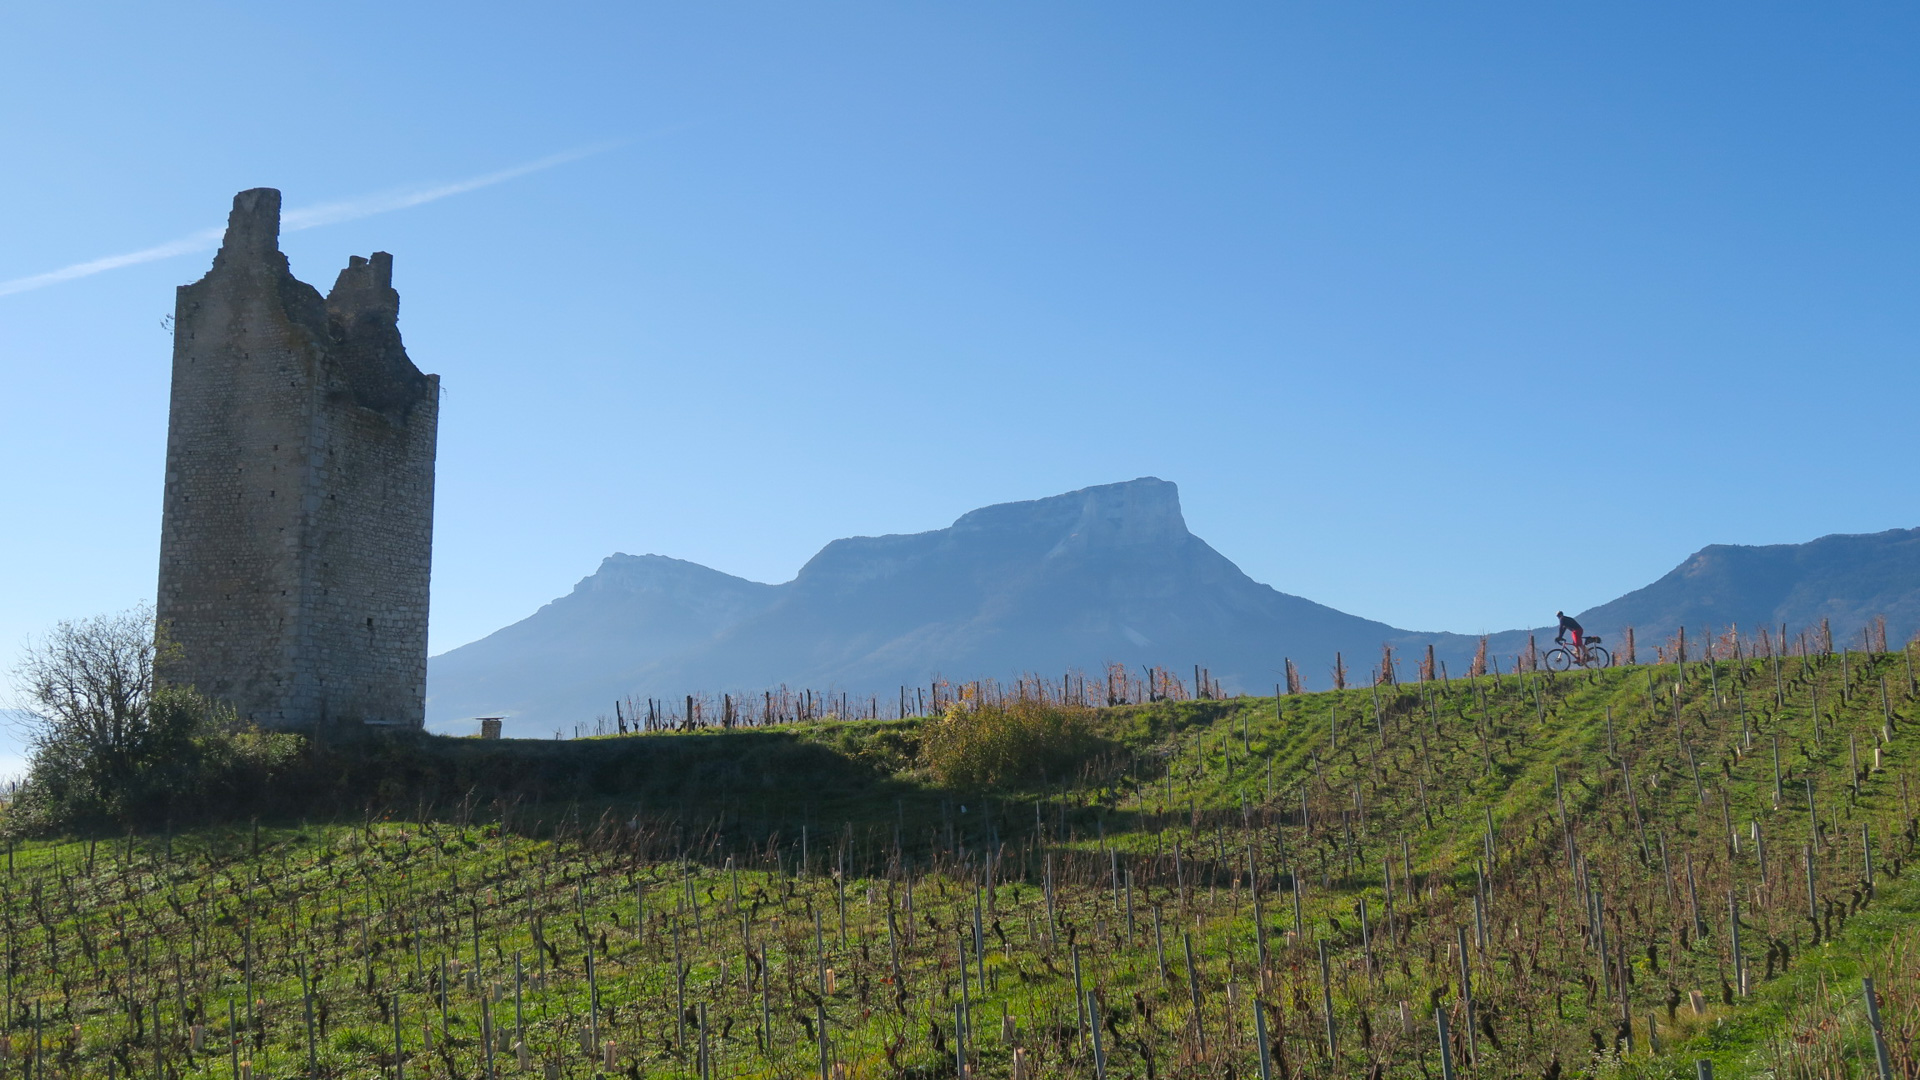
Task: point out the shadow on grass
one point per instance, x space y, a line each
764 796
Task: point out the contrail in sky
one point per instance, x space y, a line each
305 218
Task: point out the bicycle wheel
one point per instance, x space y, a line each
1598 657
1559 659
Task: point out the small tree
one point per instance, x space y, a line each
89 686
108 742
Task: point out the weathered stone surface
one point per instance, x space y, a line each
297 525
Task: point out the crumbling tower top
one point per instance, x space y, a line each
253 231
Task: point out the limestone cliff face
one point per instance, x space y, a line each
297 521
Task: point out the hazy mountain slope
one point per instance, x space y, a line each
554 664
1848 579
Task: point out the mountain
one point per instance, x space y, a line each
1105 574
1847 579
557 663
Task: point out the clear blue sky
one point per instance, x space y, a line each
1443 314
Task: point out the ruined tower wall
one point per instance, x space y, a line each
297 520
371 546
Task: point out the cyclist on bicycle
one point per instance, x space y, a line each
1569 626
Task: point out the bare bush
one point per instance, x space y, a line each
995 745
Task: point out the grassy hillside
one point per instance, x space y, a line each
1325 868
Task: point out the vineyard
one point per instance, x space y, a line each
1620 872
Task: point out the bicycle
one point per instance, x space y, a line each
1561 658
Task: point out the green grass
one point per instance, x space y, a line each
676 859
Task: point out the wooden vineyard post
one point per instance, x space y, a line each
1853 764
1049 892
1260 1033
680 994
1879 1036
964 1008
766 1001
1366 938
1866 855
1813 904
1466 997
306 999
1813 691
1326 996
706 1048
1299 926
593 995
1193 989
246 946
446 975
1733 943
1160 946
1779 793
821 1017
519 1013
820 953
1129 907
1099 1052
1813 816
1693 901
1079 990
486 1030
1626 1006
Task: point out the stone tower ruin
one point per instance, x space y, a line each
297 528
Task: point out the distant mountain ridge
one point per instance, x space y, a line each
1104 574
604 633
1848 579
1071 582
